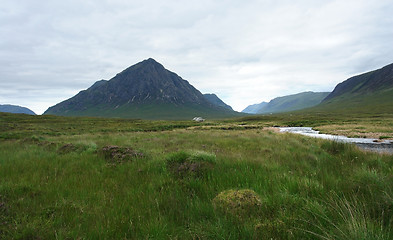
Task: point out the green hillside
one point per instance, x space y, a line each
378 102
293 102
370 92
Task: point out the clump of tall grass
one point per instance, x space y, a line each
335 147
190 164
274 229
239 204
343 218
4 215
116 154
90 147
66 148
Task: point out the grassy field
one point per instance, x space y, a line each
152 111
92 178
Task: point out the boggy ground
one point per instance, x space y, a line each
57 182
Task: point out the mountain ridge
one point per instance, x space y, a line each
370 92
9 108
254 108
365 83
290 103
214 99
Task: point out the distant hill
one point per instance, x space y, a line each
369 92
255 108
291 102
15 109
212 98
145 90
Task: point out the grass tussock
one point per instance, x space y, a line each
243 203
190 164
116 154
343 218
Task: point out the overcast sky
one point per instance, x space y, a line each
244 51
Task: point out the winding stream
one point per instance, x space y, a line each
369 144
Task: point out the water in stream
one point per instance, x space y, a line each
369 144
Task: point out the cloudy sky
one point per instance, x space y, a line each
244 51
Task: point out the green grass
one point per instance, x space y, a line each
375 102
153 111
307 188
385 137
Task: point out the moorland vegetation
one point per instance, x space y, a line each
97 178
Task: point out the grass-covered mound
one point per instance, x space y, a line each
240 204
308 188
116 154
190 164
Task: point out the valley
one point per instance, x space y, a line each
196 120
123 159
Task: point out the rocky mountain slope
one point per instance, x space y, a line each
214 99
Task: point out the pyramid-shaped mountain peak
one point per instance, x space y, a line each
144 90
150 62
148 65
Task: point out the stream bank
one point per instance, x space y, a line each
368 144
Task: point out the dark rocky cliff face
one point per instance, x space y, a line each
150 81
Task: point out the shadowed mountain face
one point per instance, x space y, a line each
145 90
367 83
255 108
15 109
370 92
212 98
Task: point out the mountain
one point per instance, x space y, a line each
15 109
145 90
367 83
212 98
370 92
254 108
291 102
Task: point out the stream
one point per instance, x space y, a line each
368 144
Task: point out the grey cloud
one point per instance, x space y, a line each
245 51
